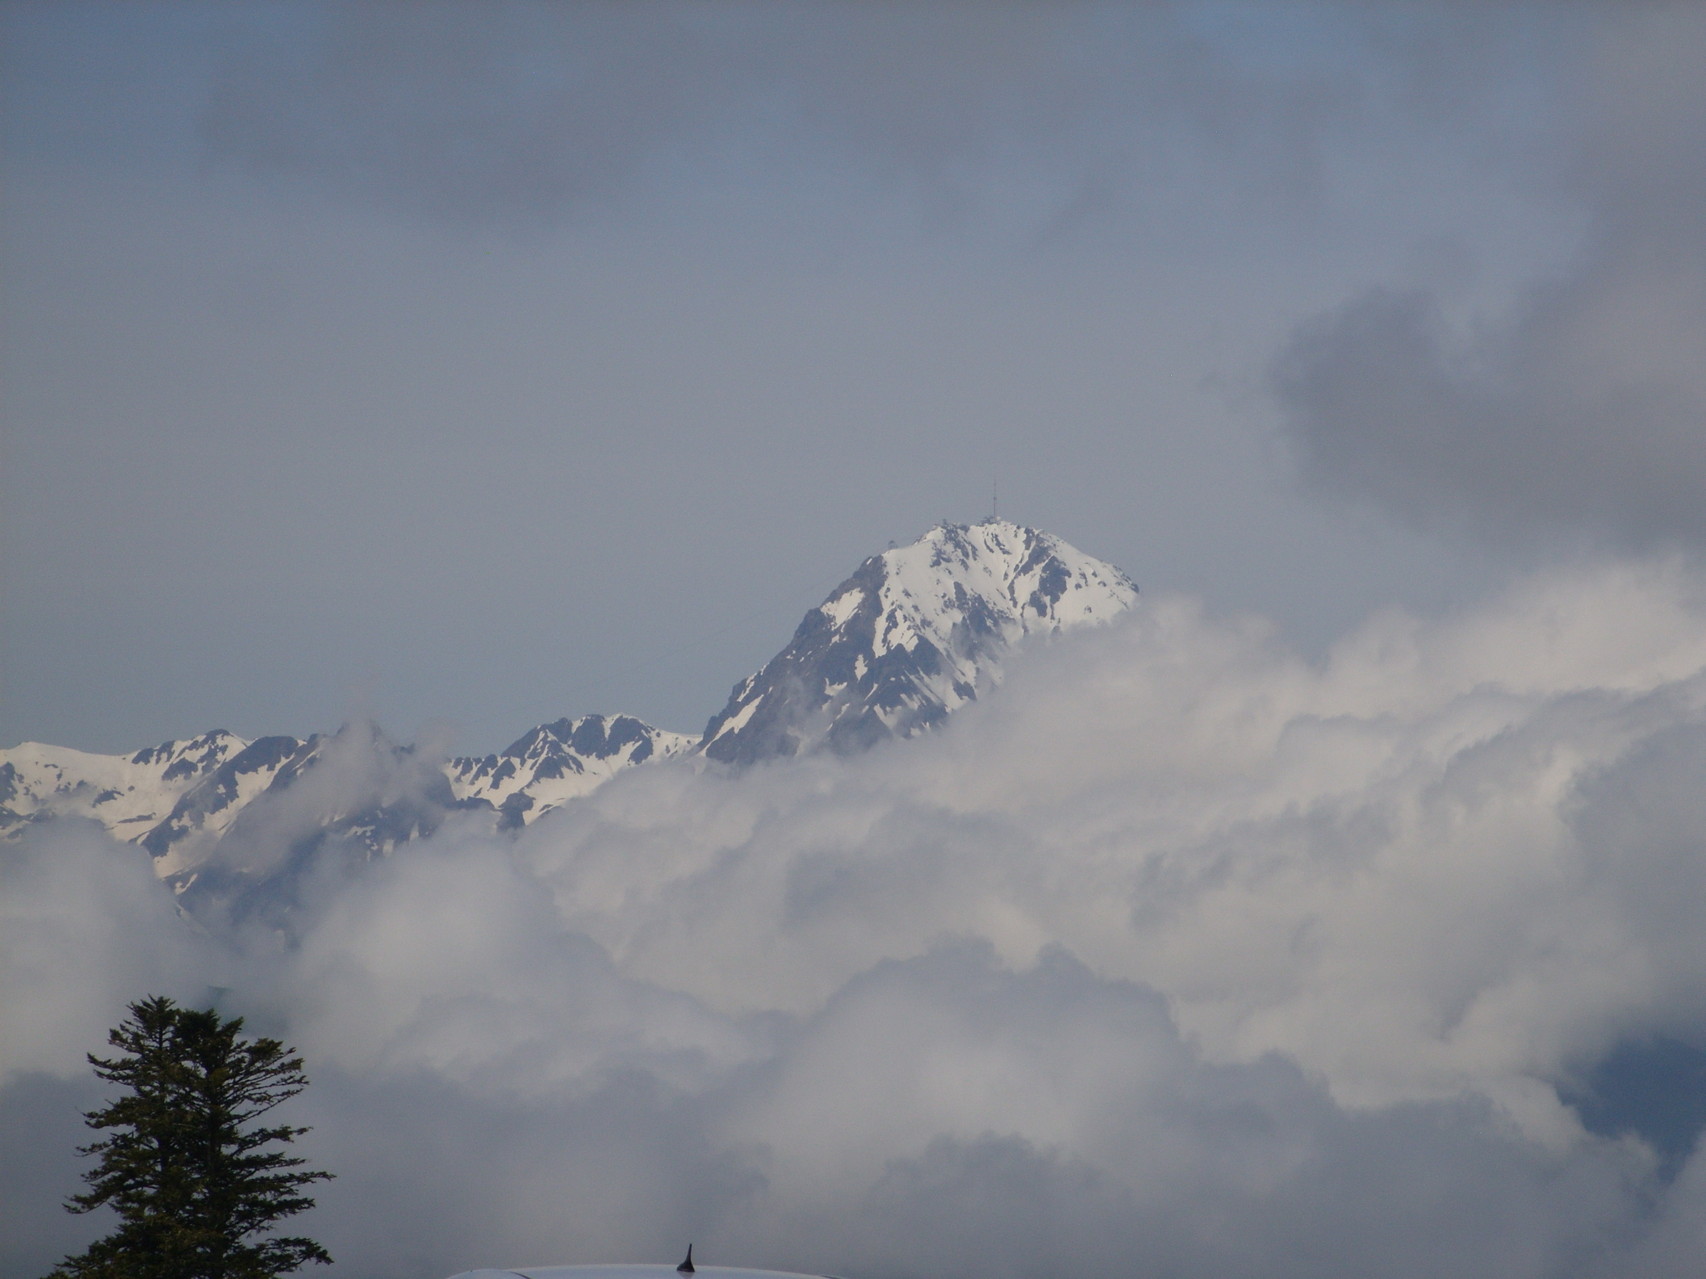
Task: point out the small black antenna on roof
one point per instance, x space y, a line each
686 1267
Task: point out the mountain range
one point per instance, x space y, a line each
916 632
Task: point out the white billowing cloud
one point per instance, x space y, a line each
1180 954
1277 848
83 926
452 961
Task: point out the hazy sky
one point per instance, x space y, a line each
472 365
1337 912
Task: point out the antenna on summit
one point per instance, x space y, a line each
994 496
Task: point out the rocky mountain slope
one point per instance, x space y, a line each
131 795
916 632
182 799
557 762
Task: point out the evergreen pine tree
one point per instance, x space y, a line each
197 1185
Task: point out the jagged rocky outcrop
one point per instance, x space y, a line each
557 762
184 800
915 632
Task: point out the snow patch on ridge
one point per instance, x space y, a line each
557 762
183 799
128 794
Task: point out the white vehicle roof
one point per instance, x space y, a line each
628 1272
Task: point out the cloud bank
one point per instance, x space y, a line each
1181 955
1582 410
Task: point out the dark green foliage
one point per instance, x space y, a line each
197 1186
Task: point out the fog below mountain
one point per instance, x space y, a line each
1177 955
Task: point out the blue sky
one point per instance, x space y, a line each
474 365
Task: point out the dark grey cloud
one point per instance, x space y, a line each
522 112
1581 410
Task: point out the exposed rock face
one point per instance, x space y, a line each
131 795
915 632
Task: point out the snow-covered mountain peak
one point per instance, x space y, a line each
996 572
915 632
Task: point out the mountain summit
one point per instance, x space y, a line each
915 632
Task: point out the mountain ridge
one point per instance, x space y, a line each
911 635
